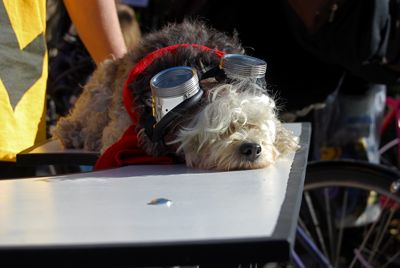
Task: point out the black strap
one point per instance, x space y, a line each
156 131
215 72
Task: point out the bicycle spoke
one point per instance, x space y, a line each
389 145
382 233
305 229
364 242
390 240
382 222
329 222
391 259
361 259
315 222
341 226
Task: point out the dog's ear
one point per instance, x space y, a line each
285 141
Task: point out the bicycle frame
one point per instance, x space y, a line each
393 114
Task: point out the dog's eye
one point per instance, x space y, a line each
249 126
228 132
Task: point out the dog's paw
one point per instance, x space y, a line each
68 133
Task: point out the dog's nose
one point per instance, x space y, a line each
250 150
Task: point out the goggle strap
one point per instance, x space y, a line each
157 131
215 72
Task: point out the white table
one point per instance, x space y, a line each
106 218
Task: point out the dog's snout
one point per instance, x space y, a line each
250 150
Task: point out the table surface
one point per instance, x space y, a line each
155 215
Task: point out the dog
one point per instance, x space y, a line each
233 125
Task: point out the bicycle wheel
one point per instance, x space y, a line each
350 212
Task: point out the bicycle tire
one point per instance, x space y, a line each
351 173
346 175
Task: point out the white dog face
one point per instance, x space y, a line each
237 129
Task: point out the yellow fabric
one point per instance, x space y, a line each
28 19
19 127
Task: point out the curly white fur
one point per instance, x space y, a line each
234 117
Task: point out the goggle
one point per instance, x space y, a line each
238 67
171 87
177 89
